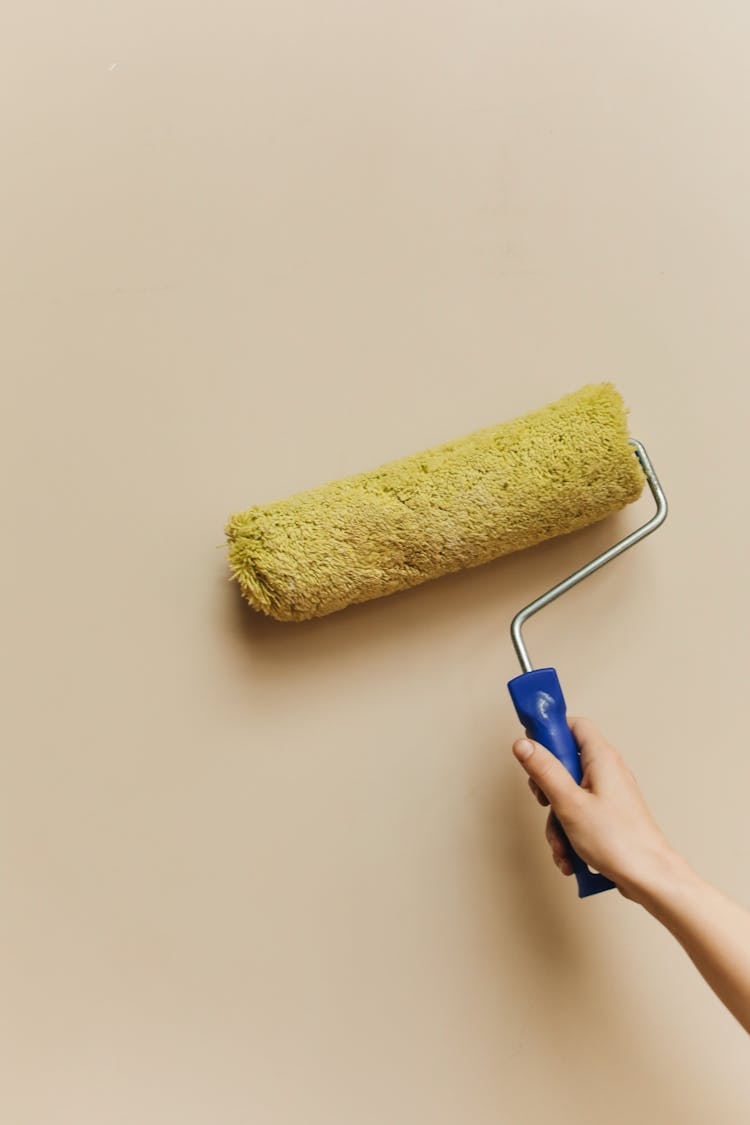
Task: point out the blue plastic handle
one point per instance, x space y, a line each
540 705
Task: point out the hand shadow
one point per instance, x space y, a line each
562 949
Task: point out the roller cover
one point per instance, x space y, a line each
457 505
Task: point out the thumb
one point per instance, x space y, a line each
550 775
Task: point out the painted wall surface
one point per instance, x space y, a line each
257 874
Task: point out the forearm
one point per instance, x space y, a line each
713 930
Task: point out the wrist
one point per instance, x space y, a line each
662 873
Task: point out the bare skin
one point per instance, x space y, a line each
610 827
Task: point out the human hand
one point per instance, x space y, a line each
605 819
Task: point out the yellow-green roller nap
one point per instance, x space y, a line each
456 505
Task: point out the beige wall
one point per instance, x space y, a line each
290 875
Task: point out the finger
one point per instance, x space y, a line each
541 798
564 866
559 845
594 749
555 838
550 775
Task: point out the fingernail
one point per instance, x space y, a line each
523 749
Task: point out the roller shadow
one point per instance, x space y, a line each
427 612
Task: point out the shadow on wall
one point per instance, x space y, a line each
566 972
427 613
